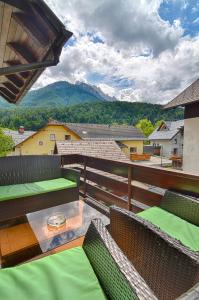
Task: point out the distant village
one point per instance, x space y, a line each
172 144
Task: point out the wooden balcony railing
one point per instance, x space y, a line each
129 185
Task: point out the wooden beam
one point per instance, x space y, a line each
23 52
15 63
20 4
16 80
6 92
5 97
32 27
11 87
24 68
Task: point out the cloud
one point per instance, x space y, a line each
126 49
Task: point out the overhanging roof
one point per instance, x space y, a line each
188 96
31 39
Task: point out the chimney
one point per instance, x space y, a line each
21 129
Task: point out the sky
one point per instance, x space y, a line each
146 50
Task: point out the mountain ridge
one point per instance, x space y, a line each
61 93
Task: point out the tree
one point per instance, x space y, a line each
145 126
6 144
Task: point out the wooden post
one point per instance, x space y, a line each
84 187
129 187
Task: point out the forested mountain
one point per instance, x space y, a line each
105 112
61 93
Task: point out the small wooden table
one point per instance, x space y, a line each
28 236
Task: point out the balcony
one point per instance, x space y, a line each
151 263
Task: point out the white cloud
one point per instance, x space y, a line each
139 48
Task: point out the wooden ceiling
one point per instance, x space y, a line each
31 39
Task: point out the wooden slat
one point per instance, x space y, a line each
16 80
20 4
104 196
7 98
11 63
112 167
23 52
146 196
7 93
171 180
11 87
4 31
32 28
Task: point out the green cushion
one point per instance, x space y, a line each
62 276
186 233
14 191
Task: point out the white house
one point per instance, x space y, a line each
168 136
189 98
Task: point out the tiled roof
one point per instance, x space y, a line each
172 129
18 137
189 95
104 132
100 149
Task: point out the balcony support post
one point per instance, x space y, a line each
129 187
84 174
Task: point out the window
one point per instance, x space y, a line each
175 151
52 137
175 141
41 143
67 137
133 149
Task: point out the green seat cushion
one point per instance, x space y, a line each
62 276
14 191
179 229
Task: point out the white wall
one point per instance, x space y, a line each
191 145
169 145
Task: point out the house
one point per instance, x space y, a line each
189 99
129 138
18 136
168 136
100 149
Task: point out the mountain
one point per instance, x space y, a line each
61 93
102 112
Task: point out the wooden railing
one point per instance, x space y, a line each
129 185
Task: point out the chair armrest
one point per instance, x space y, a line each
71 174
191 294
161 260
117 276
183 206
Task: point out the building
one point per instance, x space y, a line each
129 138
100 149
18 136
189 99
169 137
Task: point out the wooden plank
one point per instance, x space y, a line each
7 93
5 97
117 187
16 80
171 180
4 31
20 4
23 52
11 87
146 196
32 28
23 74
112 167
104 196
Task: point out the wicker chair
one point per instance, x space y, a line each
169 268
28 169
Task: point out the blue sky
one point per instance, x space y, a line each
144 51
185 11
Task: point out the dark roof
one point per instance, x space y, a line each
101 149
17 137
188 96
104 132
172 128
31 39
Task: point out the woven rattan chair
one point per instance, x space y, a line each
168 267
28 169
